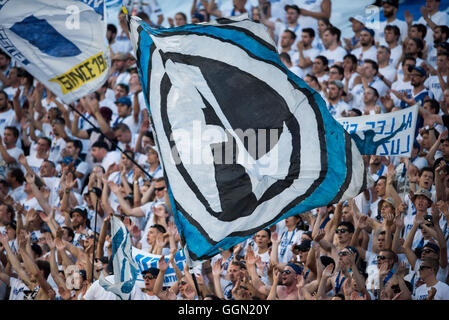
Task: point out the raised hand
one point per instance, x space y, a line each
327 272
217 268
162 265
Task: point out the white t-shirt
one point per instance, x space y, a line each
380 33
371 54
311 53
433 84
395 56
442 293
34 163
400 86
17 288
389 73
7 119
110 158
334 56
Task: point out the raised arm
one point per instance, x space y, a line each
410 254
14 261
134 212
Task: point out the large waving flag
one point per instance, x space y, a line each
61 43
244 142
125 267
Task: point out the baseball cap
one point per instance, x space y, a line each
67 160
370 31
421 70
124 100
359 18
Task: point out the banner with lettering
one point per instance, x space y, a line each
61 43
386 134
146 260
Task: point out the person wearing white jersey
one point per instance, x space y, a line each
390 10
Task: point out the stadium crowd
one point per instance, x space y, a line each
62 179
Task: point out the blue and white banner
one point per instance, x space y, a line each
125 267
245 143
147 260
61 43
386 134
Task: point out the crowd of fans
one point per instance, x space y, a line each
62 175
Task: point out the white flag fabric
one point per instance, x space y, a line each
61 43
125 267
385 134
244 142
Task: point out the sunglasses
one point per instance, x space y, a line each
159 189
381 257
149 277
338 231
183 283
286 271
428 251
343 253
421 268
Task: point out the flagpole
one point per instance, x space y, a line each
97 192
198 292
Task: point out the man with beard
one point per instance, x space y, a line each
79 225
336 106
390 10
440 36
431 17
419 92
367 49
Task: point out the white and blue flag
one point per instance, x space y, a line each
244 142
146 260
61 43
385 134
125 267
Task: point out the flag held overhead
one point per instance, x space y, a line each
244 142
